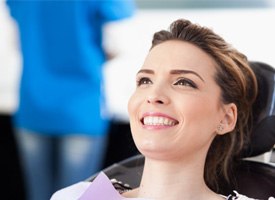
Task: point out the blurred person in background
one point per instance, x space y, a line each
61 124
10 62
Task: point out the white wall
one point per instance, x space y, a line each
10 62
251 31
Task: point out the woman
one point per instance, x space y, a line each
183 114
189 115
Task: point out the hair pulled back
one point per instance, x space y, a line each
238 85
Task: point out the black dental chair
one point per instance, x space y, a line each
253 178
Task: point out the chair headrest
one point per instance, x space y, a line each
263 127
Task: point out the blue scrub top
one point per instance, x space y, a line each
61 83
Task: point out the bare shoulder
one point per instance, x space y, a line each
131 193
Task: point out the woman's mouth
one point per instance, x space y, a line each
158 121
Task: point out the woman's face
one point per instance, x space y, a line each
176 107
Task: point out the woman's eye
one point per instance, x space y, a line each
185 82
143 81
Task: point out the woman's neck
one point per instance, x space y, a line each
173 181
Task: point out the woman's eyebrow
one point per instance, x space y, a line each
183 71
146 71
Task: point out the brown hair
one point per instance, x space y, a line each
238 85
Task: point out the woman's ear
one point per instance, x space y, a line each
229 120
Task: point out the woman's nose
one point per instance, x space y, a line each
157 98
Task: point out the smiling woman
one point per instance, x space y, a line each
189 115
185 117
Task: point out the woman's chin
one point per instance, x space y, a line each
153 151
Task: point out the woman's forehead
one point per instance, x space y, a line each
177 52
179 55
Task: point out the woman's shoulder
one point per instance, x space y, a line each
236 196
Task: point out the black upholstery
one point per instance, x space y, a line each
127 171
263 132
254 179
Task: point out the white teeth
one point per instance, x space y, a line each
152 120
